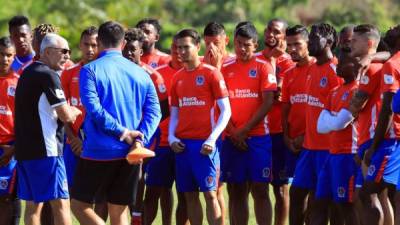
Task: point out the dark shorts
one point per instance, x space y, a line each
113 180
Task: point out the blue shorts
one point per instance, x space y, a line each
308 166
336 179
283 161
160 170
8 176
70 161
42 180
253 165
361 150
385 163
195 171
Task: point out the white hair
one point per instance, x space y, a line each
52 40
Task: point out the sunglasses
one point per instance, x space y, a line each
63 50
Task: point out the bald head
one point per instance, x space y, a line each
52 40
54 51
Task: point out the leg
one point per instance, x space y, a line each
136 209
298 205
397 217
239 195
320 211
6 211
61 211
194 210
181 210
281 193
101 209
32 213
388 215
262 203
151 204
372 209
118 214
213 208
167 203
85 213
46 216
16 214
350 214
221 201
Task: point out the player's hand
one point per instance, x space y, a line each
367 156
76 145
278 50
129 136
239 137
8 152
206 149
289 143
178 147
213 56
298 143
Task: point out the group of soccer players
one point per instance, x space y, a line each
314 105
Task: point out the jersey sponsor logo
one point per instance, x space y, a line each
3 184
313 101
388 79
371 170
271 78
4 111
191 101
364 80
323 82
341 192
199 80
242 93
345 95
11 91
162 88
266 172
298 98
210 181
60 94
253 73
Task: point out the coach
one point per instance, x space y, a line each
122 109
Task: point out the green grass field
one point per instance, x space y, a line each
252 220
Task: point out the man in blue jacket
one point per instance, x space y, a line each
122 110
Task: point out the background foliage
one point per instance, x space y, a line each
72 16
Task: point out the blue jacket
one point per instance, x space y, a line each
116 94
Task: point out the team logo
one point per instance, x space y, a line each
271 78
371 170
60 94
364 80
199 80
3 184
153 65
266 172
341 192
323 82
345 95
162 88
388 79
253 73
209 181
11 91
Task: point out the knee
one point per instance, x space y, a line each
297 196
259 192
210 196
78 207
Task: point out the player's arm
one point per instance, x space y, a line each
8 153
222 122
328 122
285 126
176 145
358 102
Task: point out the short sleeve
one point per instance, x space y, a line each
159 84
52 88
390 78
285 87
218 85
173 93
369 83
268 78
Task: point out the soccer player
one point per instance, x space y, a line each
320 81
382 156
10 206
152 56
247 148
193 130
20 33
274 52
337 175
345 37
40 109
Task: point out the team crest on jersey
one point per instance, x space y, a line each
199 80
388 79
323 82
253 73
345 95
153 65
371 170
209 181
341 192
364 79
11 91
162 88
3 184
266 172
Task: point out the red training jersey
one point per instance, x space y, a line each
342 141
156 58
158 81
195 93
283 64
391 83
321 81
8 84
294 93
246 81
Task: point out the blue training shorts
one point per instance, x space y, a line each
160 170
8 176
283 161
